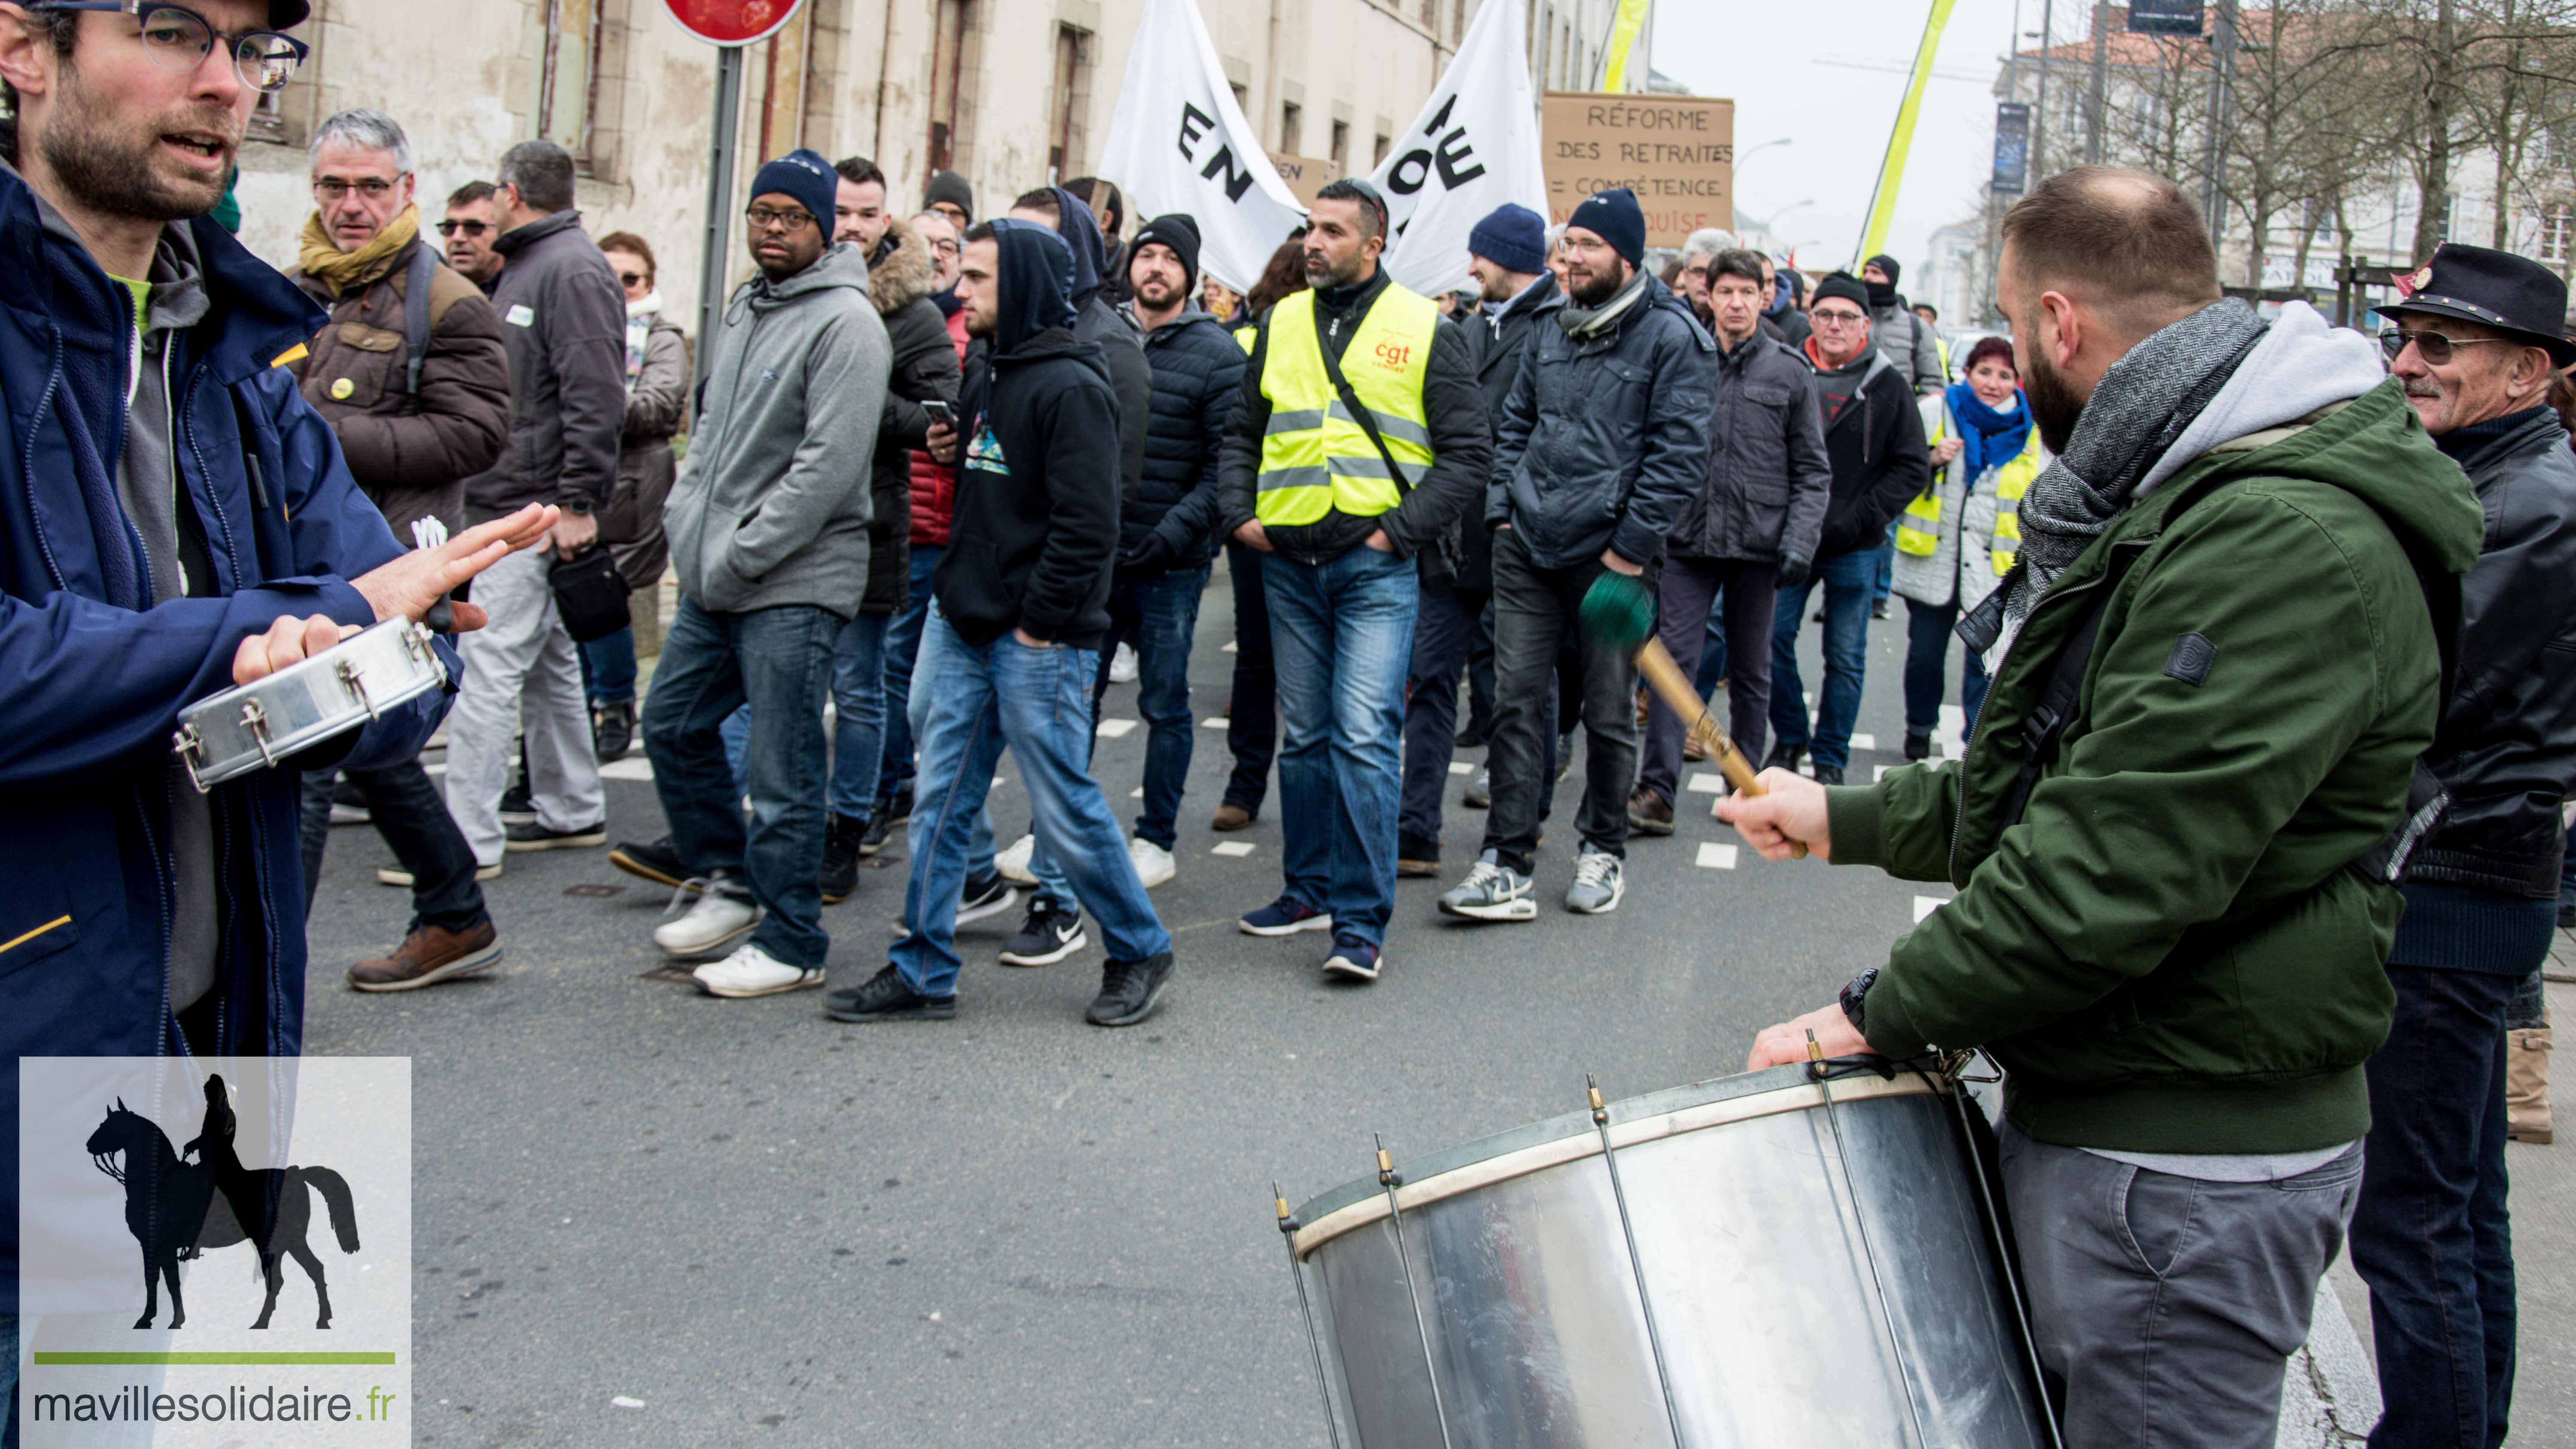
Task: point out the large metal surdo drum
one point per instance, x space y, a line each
1818 1258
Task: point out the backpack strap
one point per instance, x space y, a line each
2058 705
416 286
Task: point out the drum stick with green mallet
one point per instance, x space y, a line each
1619 612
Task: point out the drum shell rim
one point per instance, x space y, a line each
1572 1137
240 754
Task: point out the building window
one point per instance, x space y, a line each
1292 128
1384 144
568 93
954 18
2450 214
1071 102
2557 232
1341 149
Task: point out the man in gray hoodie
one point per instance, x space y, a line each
769 532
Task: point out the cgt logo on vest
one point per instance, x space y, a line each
1394 355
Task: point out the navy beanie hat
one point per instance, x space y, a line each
1512 237
1615 217
807 177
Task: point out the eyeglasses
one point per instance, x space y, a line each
946 248
764 219
2433 347
179 39
1835 318
632 279
472 229
373 188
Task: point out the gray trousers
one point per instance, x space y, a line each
522 665
2166 1308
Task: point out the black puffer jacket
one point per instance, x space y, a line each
1879 458
1198 370
1768 482
2507 744
1498 340
925 367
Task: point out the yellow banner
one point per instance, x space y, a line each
1623 38
1891 170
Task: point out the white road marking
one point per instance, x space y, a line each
633 767
1213 722
1705 783
1462 767
1864 742
1714 856
1926 905
1117 729
1229 646
1232 847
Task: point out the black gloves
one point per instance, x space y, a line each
1154 554
1793 571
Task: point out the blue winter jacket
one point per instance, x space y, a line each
93 671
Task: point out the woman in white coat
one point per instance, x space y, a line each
1956 541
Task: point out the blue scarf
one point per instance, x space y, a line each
1989 438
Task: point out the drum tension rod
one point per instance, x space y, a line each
1822 1071
1288 1226
1636 1265
1390 1179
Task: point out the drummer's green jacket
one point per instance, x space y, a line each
2168 953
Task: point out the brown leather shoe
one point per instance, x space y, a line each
1230 817
429 955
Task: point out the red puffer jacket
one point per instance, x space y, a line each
934 488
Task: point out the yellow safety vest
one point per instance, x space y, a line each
1315 457
1918 528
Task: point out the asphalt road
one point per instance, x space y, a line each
1009 1228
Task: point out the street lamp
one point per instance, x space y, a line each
1768 223
1744 156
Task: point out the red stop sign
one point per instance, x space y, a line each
731 22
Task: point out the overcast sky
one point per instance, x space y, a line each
1774 61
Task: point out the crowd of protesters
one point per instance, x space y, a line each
942 474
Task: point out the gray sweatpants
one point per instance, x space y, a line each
2168 1306
522 663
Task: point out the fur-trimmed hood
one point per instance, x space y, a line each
901 274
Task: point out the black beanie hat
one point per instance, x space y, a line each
1180 232
1846 286
1615 217
1887 264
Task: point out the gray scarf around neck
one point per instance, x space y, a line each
1581 321
2142 405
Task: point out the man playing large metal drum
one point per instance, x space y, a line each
2175 829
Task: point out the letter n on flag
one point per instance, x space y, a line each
1179 143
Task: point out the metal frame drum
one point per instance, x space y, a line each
1802 1254
253 726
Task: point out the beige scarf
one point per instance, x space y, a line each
324 262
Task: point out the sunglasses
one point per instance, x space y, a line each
632 279
2434 347
470 228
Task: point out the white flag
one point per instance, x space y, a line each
1180 143
1473 148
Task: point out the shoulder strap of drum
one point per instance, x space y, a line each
416 287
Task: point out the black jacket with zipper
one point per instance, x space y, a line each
1880 460
1499 340
2506 749
1198 373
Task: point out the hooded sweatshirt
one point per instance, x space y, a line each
1035 530
771 507
1122 343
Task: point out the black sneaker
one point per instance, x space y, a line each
1047 935
878 832
894 809
658 862
1564 756
989 896
1918 747
1881 610
884 997
1783 757
1474 734
349 803
1129 990
532 836
840 857
1415 856
518 807
612 731
1829 775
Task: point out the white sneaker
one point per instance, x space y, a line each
1599 884
751 971
1013 862
1153 863
722 916
1122 665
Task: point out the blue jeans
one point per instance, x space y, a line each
1927 649
1159 616
608 668
1883 583
858 718
1846 579
778 663
902 643
1036 701
1341 639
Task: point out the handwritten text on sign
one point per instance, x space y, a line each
1676 152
